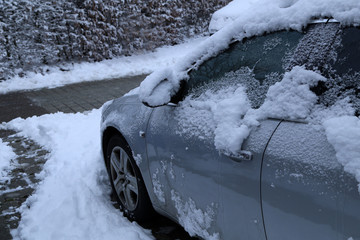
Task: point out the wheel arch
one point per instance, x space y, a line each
108 133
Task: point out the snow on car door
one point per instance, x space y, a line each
190 146
184 170
306 193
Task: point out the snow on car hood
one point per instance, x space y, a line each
241 19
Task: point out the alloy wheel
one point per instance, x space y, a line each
124 178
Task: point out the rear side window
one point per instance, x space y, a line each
342 70
348 59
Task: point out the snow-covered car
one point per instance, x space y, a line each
258 140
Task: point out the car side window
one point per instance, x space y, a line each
255 63
348 60
343 71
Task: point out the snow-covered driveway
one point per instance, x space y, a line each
72 201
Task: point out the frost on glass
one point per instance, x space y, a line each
256 63
345 87
245 77
343 72
317 48
215 114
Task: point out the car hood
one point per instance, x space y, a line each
113 104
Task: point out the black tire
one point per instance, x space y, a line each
124 174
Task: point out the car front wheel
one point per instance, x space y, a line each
127 181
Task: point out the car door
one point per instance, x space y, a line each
210 192
240 187
184 171
306 193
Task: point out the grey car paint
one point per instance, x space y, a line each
293 188
194 168
240 188
184 165
305 192
128 117
303 186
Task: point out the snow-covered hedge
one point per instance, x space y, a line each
36 33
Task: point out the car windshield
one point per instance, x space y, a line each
259 62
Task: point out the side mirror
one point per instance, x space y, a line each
155 92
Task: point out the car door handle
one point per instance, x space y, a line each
240 156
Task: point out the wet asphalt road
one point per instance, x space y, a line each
31 157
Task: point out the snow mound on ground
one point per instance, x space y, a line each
257 17
6 155
344 134
72 201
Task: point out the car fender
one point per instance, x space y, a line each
128 118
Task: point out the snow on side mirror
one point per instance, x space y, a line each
161 88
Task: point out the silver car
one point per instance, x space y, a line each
284 183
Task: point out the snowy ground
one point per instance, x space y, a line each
74 192
6 155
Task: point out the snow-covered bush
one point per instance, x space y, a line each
37 33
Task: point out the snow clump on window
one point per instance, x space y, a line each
225 113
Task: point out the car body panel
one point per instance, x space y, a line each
184 171
190 165
292 188
130 117
305 188
240 187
